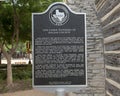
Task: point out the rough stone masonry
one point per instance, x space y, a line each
95 49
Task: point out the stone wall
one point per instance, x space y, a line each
95 61
109 14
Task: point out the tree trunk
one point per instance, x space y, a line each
0 57
9 72
9 67
0 54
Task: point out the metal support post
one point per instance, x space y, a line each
60 92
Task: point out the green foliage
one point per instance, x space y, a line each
20 72
3 72
24 10
3 75
6 23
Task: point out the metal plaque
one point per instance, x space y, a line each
59 47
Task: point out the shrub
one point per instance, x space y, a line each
20 72
3 74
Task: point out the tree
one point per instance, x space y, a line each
15 26
9 35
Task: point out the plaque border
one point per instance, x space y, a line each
50 88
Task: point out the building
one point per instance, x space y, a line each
109 14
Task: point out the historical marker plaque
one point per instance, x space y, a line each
59 47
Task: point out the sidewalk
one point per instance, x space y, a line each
28 93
